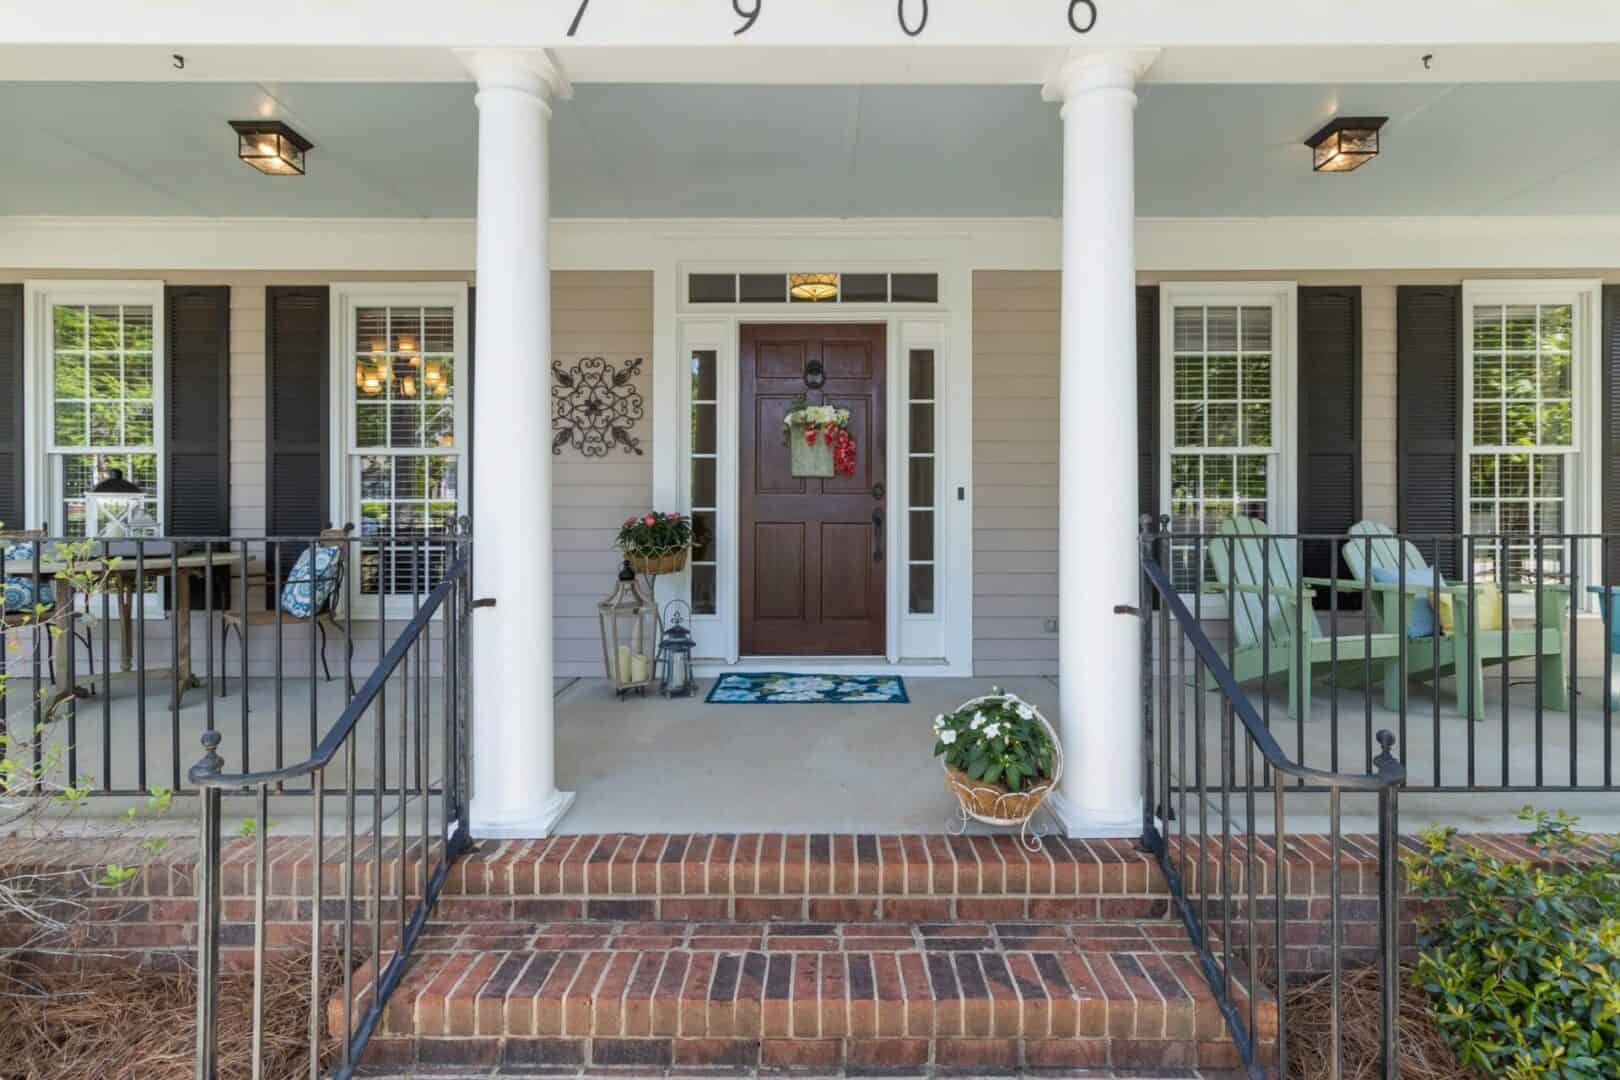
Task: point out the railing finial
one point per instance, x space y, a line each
1386 744
211 761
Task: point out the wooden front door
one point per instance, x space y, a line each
812 551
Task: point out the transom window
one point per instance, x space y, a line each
1521 451
405 448
103 372
1221 366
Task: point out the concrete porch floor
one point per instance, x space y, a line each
653 765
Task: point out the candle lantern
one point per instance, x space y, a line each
675 655
629 622
116 509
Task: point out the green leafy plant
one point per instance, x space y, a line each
1523 972
998 741
655 533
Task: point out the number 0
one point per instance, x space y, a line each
921 23
1091 9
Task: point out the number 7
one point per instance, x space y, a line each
578 15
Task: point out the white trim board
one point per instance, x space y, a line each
1163 245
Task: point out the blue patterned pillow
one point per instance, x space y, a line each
295 595
19 589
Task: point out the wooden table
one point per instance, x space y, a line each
183 569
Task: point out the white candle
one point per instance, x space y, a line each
621 666
638 668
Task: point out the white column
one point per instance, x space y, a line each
513 745
1099 680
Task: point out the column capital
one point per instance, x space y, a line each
528 71
1084 70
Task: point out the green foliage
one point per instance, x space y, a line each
998 741
1523 973
655 533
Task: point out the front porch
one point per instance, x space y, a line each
694 767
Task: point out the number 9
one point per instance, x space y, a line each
1091 7
750 16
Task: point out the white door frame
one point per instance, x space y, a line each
938 644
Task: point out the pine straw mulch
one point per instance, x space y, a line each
142 1025
1424 1054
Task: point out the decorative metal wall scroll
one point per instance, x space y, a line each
1082 16
595 407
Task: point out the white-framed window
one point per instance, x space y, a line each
1531 404
95 378
400 434
1226 378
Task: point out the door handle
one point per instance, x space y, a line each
877 536
877 492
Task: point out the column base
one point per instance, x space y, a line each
532 823
1093 823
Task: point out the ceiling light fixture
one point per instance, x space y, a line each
813 287
1345 143
270 146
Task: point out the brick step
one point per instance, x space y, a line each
829 878
985 996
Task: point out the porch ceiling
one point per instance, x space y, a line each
409 150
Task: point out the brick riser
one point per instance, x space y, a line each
837 878
852 996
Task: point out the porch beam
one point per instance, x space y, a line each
513 721
1099 653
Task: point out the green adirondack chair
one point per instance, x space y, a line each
1388 551
1243 562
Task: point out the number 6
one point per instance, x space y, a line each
1090 6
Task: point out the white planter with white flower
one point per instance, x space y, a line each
1001 758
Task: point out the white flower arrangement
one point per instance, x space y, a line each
999 740
816 416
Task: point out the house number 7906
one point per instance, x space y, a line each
1082 16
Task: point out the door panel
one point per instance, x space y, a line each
812 559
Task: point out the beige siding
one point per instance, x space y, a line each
1378 403
607 314
1015 439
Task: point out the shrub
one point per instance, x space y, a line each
998 740
1523 972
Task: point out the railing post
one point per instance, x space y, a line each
1389 872
208 901
1146 537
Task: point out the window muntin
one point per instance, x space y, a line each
920 470
405 458
1224 405
1522 407
103 405
705 492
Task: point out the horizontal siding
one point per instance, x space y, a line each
1015 471
607 314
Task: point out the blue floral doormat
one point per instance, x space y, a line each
781 688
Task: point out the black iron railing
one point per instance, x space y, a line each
173 636
1478 669
1209 759
411 846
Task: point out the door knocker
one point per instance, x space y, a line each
815 377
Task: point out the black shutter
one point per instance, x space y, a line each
297 352
1428 431
1329 422
1147 398
13 468
1611 428
197 402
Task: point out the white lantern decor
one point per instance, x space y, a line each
629 622
116 509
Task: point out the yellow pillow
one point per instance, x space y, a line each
1487 610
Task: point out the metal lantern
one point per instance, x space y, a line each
629 634
115 509
675 655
